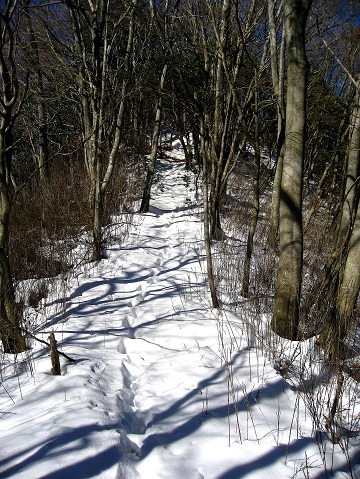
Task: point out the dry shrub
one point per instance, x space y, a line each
49 220
236 218
318 294
44 217
38 292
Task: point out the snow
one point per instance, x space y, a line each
163 386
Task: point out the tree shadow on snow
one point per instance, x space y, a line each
55 449
192 424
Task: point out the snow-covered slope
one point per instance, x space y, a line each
163 387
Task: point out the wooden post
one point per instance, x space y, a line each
54 354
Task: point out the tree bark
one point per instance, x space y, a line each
54 354
287 297
10 315
220 127
350 285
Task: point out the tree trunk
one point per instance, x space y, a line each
97 210
277 73
350 284
256 203
145 203
54 355
10 317
287 297
207 239
352 171
184 137
346 271
219 128
94 42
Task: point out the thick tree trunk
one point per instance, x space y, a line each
287 298
10 317
350 283
275 199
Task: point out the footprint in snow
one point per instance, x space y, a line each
158 263
126 323
121 347
153 280
127 396
95 368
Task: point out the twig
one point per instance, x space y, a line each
352 79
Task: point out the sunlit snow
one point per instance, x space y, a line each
163 386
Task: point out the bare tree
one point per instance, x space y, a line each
40 145
96 27
145 202
10 104
227 128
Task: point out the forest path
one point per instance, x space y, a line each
155 306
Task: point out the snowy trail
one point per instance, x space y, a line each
123 323
148 396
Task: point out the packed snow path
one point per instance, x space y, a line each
148 396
